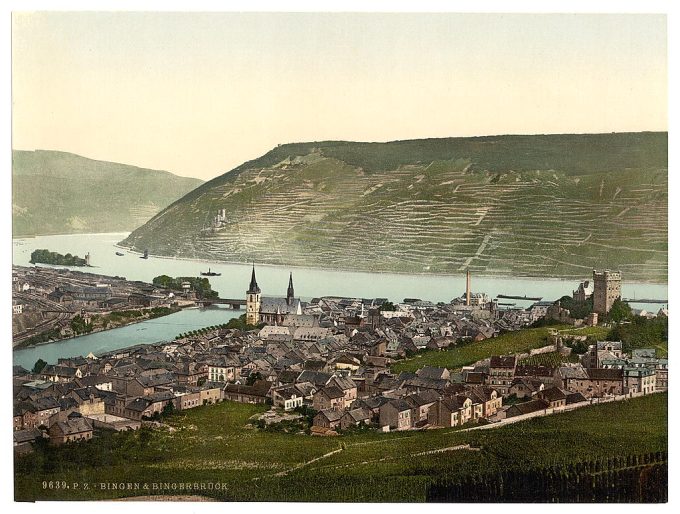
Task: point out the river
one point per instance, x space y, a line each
273 280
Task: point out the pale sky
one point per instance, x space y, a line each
198 94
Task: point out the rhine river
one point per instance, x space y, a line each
273 280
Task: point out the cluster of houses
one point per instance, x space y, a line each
334 357
79 290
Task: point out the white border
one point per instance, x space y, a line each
517 6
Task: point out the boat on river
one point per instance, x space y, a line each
210 273
146 255
120 254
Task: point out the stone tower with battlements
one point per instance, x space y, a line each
606 289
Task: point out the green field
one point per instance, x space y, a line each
213 444
458 356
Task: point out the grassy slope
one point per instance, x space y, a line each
211 444
77 194
524 205
456 357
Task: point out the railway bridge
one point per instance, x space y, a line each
235 304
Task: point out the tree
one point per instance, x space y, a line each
169 409
388 306
620 311
253 377
39 366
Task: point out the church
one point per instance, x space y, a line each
268 309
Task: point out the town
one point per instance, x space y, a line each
50 304
329 365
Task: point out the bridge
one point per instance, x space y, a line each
235 304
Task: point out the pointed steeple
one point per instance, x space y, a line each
291 292
253 288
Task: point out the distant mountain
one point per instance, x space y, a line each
62 193
543 206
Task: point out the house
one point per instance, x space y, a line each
526 387
601 350
330 397
224 369
420 405
24 438
187 398
257 393
88 400
502 373
355 417
554 396
450 411
529 407
327 418
489 398
598 382
288 397
639 380
75 429
372 405
434 373
347 386
396 414
345 361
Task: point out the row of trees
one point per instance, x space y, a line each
46 257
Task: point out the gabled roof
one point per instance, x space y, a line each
333 392
553 394
358 414
399 404
331 414
72 426
529 407
318 378
433 373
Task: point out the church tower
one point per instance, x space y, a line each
253 301
290 295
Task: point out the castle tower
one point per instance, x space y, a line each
606 289
253 301
290 294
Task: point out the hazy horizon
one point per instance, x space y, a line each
197 94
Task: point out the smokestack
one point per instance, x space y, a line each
467 289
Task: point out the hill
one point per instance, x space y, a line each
544 205
62 193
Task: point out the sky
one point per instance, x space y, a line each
198 94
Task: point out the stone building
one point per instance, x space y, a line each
270 310
606 289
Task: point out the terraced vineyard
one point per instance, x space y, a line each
555 206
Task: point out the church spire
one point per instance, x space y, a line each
291 293
254 288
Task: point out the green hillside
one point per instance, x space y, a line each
61 193
547 205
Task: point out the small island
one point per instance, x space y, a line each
46 257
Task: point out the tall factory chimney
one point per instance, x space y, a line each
467 289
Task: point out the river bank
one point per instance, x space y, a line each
148 331
98 329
